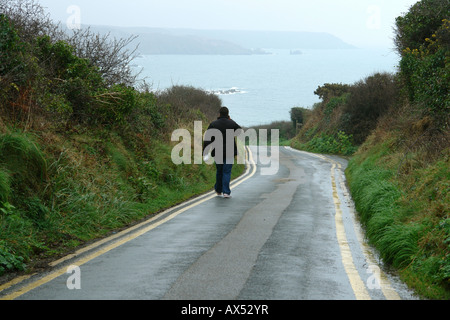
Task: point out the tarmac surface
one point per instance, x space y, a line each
291 234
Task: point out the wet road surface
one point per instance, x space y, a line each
292 235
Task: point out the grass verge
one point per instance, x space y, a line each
59 192
405 215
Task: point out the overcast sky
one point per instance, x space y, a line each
363 23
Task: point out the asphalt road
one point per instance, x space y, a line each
288 236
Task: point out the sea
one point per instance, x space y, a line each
260 89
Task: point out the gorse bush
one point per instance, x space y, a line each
423 40
420 23
426 73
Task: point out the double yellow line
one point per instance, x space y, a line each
121 237
356 282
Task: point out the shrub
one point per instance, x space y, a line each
323 143
24 161
369 99
111 56
421 21
184 99
330 90
8 260
10 47
113 105
426 73
5 187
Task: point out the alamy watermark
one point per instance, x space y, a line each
373 22
267 155
74 280
74 20
374 280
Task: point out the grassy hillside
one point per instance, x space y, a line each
396 128
84 150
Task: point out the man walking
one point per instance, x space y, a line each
223 129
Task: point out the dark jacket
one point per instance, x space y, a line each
223 124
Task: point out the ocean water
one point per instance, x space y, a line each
259 89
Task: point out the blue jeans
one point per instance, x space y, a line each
223 178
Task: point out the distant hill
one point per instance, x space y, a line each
275 39
221 42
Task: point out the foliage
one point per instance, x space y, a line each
399 176
347 114
323 143
183 100
25 162
369 99
10 47
83 151
335 102
330 90
9 261
405 215
426 73
419 23
112 57
297 117
285 130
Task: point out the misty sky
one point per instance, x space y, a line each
363 23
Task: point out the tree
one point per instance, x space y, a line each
297 116
329 90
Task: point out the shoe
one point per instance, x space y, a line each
219 194
226 196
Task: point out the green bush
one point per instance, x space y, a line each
185 99
73 81
330 90
23 159
419 23
323 143
426 73
369 99
8 260
114 104
335 102
5 186
10 46
13 68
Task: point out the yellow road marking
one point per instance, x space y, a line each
250 172
15 281
384 283
355 279
356 282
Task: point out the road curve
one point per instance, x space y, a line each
292 235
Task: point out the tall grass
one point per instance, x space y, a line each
376 198
405 219
20 156
87 190
5 187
